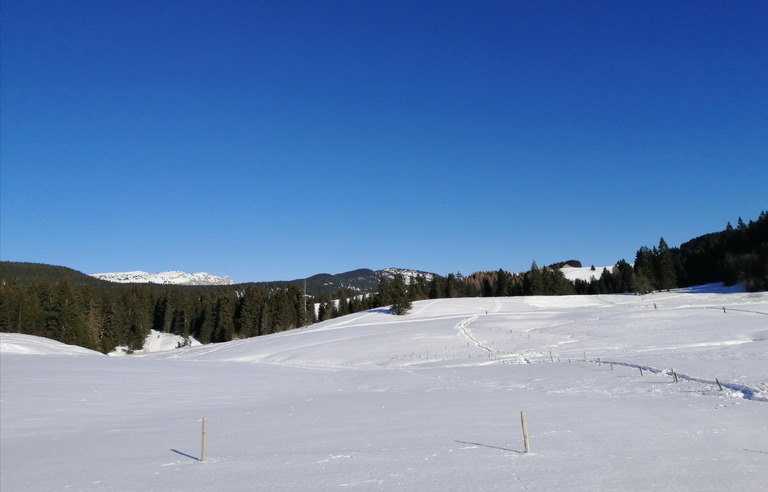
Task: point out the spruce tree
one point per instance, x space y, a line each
664 263
400 300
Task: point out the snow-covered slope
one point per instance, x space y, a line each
158 342
15 343
583 273
426 401
172 278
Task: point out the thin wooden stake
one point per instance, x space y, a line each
641 371
719 385
526 442
204 448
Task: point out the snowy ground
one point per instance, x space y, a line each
157 342
583 273
427 401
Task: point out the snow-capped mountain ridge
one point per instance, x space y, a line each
363 280
408 275
167 278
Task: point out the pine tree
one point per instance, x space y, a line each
224 317
384 294
533 281
113 331
400 300
20 309
502 283
249 311
138 305
664 263
625 276
437 288
66 316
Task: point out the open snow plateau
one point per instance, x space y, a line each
426 401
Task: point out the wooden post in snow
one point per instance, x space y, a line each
526 443
204 446
718 384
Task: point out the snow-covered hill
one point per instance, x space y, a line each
408 275
583 273
16 343
171 278
426 401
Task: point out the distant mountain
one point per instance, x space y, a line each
164 278
31 273
362 280
409 275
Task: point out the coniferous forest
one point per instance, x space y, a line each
71 307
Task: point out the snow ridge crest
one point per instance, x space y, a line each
166 278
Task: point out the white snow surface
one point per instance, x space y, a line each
170 278
583 273
15 343
158 342
426 401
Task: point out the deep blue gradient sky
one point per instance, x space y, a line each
270 140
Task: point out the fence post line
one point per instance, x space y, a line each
526 442
204 445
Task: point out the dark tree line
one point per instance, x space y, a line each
736 254
103 320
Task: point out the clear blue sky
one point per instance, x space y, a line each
271 140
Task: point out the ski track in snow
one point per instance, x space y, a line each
745 391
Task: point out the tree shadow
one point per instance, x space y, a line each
489 446
713 288
380 310
185 454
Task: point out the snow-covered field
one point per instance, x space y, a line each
583 273
427 401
